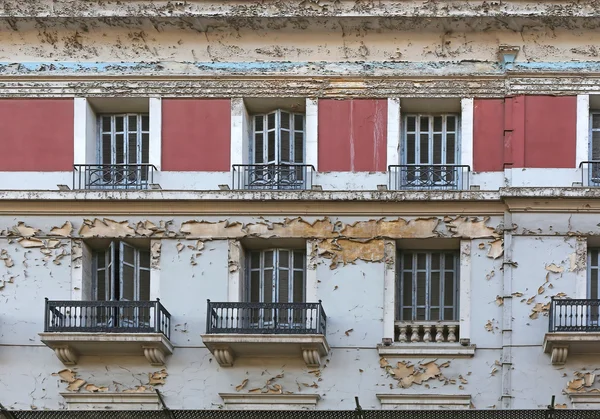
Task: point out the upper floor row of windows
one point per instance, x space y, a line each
296 143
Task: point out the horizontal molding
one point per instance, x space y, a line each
248 401
425 401
328 8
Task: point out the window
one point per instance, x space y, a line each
594 168
431 148
428 286
123 147
593 291
122 273
277 277
278 138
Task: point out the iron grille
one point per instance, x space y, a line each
315 414
590 173
273 176
266 318
107 317
432 176
574 315
113 176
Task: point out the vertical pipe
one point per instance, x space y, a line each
507 313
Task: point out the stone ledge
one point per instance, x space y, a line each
68 346
443 350
227 347
114 401
585 400
260 401
562 344
425 401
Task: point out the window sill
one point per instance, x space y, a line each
113 401
421 349
425 401
585 400
260 401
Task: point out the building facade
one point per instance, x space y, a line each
284 205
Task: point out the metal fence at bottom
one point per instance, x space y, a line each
314 414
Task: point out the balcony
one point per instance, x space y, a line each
574 328
428 177
266 330
74 328
113 176
427 338
273 176
590 173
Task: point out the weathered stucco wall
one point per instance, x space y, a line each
350 265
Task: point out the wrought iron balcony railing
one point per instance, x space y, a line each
273 176
590 173
107 317
113 176
574 315
266 318
433 176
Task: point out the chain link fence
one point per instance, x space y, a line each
315 414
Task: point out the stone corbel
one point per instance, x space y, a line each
155 356
559 355
224 356
311 357
66 354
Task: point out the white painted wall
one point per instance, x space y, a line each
155 115
582 150
466 132
393 132
312 132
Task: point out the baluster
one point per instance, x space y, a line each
402 336
439 335
427 333
452 333
415 334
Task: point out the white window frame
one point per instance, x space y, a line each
142 146
113 272
277 129
430 132
275 268
414 271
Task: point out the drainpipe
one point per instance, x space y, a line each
507 320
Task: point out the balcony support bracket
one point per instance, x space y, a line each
559 355
224 356
66 354
311 357
154 355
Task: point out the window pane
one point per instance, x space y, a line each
269 259
119 149
106 149
407 289
411 124
298 147
106 125
101 284
132 149
144 285
285 120
255 286
437 149
450 149
594 283
258 148
451 123
411 149
434 314
119 124
284 286
298 287
127 282
144 259
145 148
271 147
424 123
449 261
435 261
299 122
434 291
132 123
254 260
284 259
299 257
128 254
286 154
449 289
595 145
145 123
437 123
407 259
258 122
421 261
424 149
406 314
268 286
449 314
421 287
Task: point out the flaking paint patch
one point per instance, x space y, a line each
23 230
344 251
63 231
400 228
470 227
496 249
106 228
76 253
578 259
155 249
